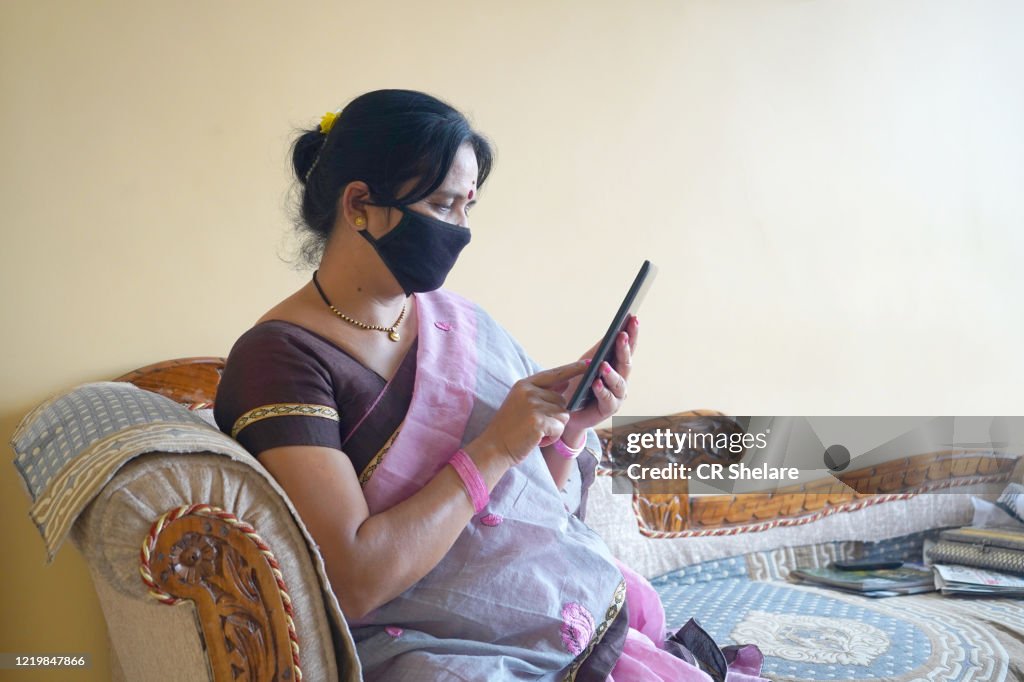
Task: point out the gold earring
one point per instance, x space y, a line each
360 221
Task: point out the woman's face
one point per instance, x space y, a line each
452 201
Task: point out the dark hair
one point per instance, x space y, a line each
384 138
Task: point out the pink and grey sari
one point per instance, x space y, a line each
528 591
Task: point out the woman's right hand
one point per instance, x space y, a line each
534 411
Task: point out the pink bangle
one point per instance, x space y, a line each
471 479
567 452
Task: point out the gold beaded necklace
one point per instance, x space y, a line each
392 330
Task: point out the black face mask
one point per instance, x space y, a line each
420 251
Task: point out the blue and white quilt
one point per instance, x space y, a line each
814 633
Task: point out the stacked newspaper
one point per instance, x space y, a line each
951 579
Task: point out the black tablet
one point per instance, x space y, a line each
584 391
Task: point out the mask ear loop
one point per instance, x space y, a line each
374 242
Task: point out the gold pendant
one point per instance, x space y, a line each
393 335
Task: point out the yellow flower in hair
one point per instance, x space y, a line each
327 122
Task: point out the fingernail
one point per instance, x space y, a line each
606 368
586 363
598 385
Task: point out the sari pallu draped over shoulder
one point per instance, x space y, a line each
527 590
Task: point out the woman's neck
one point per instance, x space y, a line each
359 285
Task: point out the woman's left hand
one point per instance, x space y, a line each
609 387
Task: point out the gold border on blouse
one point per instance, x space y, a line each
282 410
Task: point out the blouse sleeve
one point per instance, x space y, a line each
275 392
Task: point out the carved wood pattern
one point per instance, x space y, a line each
242 615
677 511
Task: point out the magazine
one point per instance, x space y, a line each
888 582
950 579
878 594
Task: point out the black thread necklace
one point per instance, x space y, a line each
392 331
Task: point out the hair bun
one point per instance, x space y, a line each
305 153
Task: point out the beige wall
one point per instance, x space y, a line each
831 190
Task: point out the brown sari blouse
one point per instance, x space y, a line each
286 385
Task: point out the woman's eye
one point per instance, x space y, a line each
443 207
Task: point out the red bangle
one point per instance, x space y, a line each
567 452
471 479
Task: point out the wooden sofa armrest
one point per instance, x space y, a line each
184 380
190 591
210 557
249 601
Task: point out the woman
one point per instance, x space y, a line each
434 463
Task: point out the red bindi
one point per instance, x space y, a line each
470 195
